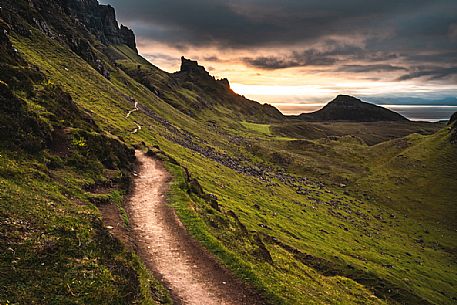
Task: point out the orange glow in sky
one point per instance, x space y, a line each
292 90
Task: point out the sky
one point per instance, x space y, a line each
292 53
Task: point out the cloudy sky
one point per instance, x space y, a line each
297 52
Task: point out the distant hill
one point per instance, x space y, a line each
349 108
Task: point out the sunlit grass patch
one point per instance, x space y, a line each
260 128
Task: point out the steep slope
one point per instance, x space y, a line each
218 93
194 91
348 108
54 246
272 216
418 172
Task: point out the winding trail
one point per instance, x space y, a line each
190 273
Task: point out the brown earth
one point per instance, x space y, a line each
192 275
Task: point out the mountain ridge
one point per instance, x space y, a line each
195 91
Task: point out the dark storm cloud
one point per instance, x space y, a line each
437 57
352 35
264 22
310 57
330 53
431 74
212 58
369 68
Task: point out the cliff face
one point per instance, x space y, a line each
128 37
57 18
101 21
85 26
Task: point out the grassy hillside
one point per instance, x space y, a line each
419 175
192 90
56 166
303 219
55 248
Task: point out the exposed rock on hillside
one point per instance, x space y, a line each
349 108
128 37
101 21
63 19
207 92
225 82
453 124
192 66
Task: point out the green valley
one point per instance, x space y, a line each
302 211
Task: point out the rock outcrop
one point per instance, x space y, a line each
57 18
349 108
101 21
453 123
192 66
225 82
214 92
85 26
128 37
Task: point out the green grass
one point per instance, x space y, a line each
185 206
54 247
420 178
300 222
322 244
260 128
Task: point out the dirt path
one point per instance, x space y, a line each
190 272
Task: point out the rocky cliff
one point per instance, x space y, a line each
101 21
81 15
85 26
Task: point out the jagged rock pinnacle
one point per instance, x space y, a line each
192 66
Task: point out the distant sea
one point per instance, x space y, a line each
424 112
430 113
